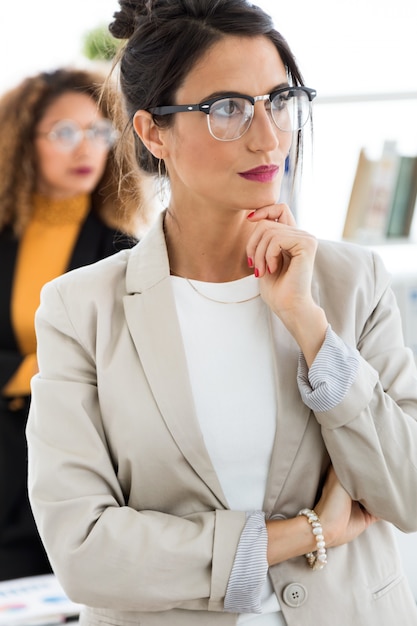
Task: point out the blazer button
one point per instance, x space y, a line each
294 595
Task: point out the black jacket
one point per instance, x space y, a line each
21 551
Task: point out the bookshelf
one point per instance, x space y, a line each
383 196
343 125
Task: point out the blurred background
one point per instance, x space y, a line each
45 34
343 47
360 56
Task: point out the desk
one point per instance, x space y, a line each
35 600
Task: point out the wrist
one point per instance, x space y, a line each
288 538
309 331
317 558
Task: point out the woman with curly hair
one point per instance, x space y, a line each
59 209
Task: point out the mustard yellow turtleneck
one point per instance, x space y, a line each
44 253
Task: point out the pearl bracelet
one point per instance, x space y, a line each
316 560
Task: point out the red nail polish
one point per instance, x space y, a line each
251 214
256 272
250 261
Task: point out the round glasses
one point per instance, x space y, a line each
67 134
230 115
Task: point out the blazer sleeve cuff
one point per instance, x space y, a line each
228 529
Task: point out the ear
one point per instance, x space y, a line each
149 133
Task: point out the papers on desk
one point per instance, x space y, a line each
35 601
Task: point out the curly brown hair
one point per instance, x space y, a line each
118 202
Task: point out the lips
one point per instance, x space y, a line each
83 171
261 174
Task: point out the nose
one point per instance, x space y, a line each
263 134
86 141
84 144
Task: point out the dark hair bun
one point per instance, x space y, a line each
126 20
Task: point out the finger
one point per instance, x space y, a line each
274 213
258 245
266 254
282 239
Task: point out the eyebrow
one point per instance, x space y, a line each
219 94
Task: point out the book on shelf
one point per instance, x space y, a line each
359 197
404 198
383 196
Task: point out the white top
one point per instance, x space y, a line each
230 348
231 366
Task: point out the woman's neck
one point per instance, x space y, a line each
208 250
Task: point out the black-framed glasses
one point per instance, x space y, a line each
230 115
68 134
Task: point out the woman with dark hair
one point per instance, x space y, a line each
59 209
231 428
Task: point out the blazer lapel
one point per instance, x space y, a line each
152 319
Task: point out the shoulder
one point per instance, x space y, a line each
342 252
348 273
105 277
128 271
349 261
82 301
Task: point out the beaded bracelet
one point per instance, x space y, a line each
316 560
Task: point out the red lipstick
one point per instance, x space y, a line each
261 174
83 170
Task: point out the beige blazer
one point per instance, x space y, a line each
122 487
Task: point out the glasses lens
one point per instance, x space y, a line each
103 133
290 109
66 135
229 118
